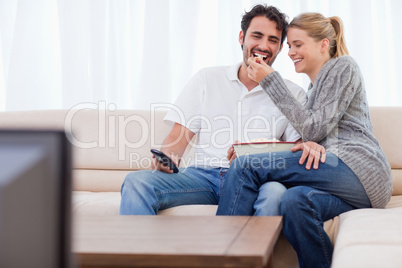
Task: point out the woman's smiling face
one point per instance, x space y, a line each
308 55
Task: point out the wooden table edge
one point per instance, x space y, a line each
230 257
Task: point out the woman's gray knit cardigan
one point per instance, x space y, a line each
336 116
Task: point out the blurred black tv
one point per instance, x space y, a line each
35 199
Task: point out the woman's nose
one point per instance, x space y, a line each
291 52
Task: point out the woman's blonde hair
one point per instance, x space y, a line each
319 27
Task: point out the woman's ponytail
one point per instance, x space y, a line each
340 48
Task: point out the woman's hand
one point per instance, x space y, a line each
258 69
313 151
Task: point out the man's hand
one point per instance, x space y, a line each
231 154
174 146
159 166
313 151
257 71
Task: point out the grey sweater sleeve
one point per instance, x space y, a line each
337 116
334 91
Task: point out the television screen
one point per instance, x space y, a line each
35 196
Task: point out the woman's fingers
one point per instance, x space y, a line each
313 152
305 154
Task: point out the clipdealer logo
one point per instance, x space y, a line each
112 128
130 133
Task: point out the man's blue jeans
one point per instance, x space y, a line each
148 191
269 199
313 197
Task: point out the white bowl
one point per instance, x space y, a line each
262 147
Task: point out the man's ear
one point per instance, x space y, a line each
280 48
241 37
324 45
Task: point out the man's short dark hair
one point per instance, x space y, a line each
271 13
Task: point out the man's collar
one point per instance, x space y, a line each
233 75
233 72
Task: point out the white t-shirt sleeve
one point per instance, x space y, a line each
290 134
187 109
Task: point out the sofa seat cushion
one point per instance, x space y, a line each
190 210
108 203
97 180
95 203
369 238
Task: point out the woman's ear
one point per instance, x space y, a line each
324 45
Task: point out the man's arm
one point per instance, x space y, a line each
174 146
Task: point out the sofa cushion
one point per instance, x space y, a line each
387 127
97 204
101 139
108 203
395 202
369 238
115 140
397 181
121 139
98 180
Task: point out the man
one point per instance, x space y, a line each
220 104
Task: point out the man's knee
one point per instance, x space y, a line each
273 187
269 198
272 191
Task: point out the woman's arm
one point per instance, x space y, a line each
335 88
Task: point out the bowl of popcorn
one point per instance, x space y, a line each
262 145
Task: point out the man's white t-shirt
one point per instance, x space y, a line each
220 109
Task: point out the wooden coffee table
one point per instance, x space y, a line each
175 241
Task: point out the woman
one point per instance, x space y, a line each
356 173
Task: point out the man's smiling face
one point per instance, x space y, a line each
262 40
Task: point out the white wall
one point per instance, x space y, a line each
131 53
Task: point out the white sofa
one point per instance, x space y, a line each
109 144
